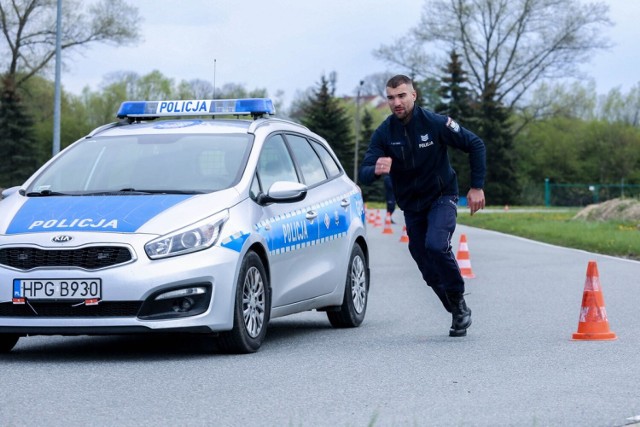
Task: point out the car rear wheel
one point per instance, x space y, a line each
7 342
356 291
252 309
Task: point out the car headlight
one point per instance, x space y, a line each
195 237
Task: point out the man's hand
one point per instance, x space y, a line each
475 200
383 165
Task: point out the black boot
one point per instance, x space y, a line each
460 314
442 295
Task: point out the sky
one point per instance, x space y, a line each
287 45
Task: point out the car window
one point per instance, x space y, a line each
309 162
275 163
254 190
329 162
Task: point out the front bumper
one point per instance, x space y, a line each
129 293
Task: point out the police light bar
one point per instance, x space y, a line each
208 107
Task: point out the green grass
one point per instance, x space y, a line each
616 238
557 227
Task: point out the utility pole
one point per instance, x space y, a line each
57 94
214 78
355 155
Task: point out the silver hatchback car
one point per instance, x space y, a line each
189 224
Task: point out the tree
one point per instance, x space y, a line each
196 89
571 150
427 92
408 54
376 84
493 127
17 142
374 192
29 31
509 45
324 115
617 107
37 96
456 102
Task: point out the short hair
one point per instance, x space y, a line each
398 80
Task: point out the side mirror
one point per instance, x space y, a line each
9 191
283 192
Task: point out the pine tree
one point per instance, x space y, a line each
375 191
455 102
324 115
490 121
495 130
427 92
17 141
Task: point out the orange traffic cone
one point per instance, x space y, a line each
377 222
405 237
593 324
464 262
387 225
371 217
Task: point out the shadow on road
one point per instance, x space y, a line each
152 347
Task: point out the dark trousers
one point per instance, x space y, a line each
388 194
430 235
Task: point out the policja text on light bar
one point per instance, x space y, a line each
203 107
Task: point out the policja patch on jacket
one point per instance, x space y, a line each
453 125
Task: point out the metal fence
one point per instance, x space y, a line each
585 194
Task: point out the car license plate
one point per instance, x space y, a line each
38 289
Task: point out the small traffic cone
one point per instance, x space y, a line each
377 222
405 237
593 324
387 225
371 217
464 262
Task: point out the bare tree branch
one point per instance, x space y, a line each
29 31
508 46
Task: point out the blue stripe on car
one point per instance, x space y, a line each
292 231
118 214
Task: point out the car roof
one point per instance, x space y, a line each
196 116
174 126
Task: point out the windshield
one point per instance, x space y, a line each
146 164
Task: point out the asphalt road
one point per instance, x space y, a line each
517 367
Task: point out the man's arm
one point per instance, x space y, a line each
470 143
368 173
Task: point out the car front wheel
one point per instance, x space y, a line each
252 309
354 305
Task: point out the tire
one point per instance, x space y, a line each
356 293
7 342
252 309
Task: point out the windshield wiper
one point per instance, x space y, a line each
46 193
174 191
133 191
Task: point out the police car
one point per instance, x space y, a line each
191 224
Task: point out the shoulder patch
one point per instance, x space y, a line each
453 125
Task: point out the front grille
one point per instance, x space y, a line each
90 258
66 309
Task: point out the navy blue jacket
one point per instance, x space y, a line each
420 169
